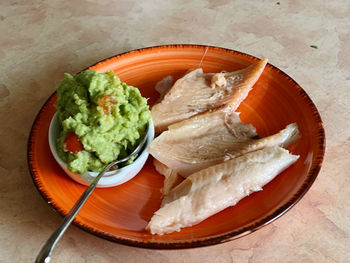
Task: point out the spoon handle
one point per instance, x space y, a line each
44 255
45 252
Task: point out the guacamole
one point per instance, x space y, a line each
102 120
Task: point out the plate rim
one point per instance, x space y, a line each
212 240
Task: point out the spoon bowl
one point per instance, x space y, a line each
111 178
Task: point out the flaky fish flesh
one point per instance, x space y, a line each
199 92
210 138
213 189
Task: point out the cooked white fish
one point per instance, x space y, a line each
210 138
199 92
213 189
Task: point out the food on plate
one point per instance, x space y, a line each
102 120
198 92
213 189
210 159
210 138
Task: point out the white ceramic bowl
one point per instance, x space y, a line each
111 178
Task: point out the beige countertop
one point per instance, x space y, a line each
40 40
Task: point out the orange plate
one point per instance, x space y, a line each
121 213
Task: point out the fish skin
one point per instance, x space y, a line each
210 138
163 86
194 93
213 189
171 178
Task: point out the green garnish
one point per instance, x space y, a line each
314 46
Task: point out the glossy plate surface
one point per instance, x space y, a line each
121 213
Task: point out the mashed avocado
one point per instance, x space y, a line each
102 120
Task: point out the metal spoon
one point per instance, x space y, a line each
46 251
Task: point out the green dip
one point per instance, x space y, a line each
107 116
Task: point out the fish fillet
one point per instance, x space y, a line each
211 190
210 138
199 92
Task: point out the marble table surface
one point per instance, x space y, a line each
40 40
